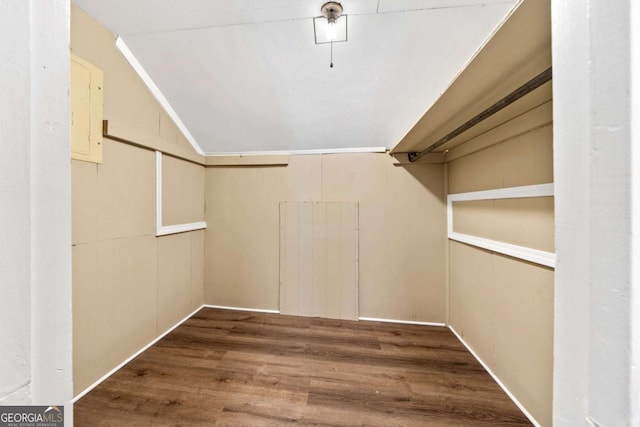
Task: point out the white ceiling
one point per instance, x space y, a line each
246 75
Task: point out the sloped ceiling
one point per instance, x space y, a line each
246 75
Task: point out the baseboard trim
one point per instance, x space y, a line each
130 358
496 379
255 310
403 322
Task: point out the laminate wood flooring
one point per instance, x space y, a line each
232 368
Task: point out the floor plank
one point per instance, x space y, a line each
233 368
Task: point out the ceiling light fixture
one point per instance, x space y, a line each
331 27
332 11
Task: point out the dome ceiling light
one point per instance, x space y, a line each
331 27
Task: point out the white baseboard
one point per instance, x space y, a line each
258 310
255 310
133 356
136 354
496 379
404 322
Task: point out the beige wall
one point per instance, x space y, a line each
182 191
402 235
128 285
525 222
132 111
502 306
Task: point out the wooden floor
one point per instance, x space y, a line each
230 368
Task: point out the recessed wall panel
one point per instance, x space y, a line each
319 259
182 192
524 222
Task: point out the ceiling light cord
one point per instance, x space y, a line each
331 11
331 64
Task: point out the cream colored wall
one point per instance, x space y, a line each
182 191
501 306
128 286
523 159
525 222
402 224
132 110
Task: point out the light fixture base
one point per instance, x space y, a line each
331 10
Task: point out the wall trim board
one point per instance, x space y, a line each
402 159
155 91
300 152
133 356
243 160
496 379
368 319
255 310
106 134
164 230
447 254
403 322
158 192
536 256
538 190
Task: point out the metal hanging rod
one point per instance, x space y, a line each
529 86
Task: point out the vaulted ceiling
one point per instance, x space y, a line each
246 75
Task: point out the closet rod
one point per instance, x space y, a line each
105 134
526 88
